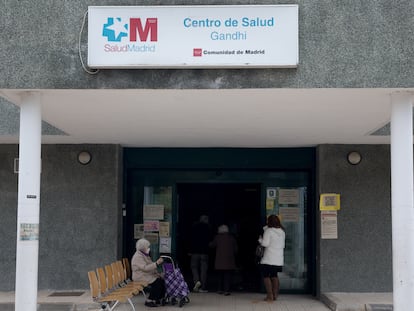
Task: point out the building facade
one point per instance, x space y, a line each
88 212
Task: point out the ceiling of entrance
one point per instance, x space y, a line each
214 118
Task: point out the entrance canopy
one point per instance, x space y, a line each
213 117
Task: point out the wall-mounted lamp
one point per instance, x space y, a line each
354 157
84 157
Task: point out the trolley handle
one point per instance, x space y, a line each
170 259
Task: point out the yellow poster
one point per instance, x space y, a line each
270 204
330 202
164 229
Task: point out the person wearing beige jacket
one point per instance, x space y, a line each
145 270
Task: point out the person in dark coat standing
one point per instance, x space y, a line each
200 238
225 263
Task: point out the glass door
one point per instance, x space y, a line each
157 219
289 203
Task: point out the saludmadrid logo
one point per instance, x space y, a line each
130 35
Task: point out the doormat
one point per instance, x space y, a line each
379 307
66 294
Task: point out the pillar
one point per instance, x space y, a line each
402 200
27 249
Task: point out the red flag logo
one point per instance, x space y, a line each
197 52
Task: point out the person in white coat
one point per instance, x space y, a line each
273 258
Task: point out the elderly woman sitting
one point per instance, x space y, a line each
145 270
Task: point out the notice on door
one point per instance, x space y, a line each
289 196
329 225
289 214
154 211
138 231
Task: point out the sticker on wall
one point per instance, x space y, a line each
330 202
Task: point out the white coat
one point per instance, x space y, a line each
274 242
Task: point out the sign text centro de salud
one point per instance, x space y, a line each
193 36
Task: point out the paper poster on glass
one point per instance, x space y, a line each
152 237
154 211
271 193
138 231
164 229
165 245
151 225
289 214
289 196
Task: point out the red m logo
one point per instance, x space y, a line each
151 27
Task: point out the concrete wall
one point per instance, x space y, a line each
341 44
360 260
80 214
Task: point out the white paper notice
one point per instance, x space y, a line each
138 231
154 211
151 237
329 225
289 214
165 245
164 228
288 196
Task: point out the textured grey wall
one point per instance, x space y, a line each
80 214
341 44
360 260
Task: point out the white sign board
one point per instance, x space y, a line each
235 36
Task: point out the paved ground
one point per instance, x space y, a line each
358 301
213 301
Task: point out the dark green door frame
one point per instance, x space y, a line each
168 167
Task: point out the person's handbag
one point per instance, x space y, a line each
260 251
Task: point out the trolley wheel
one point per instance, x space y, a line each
173 301
181 303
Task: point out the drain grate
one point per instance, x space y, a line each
66 294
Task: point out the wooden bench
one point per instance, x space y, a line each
120 277
128 275
110 287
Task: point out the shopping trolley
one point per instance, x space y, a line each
176 287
